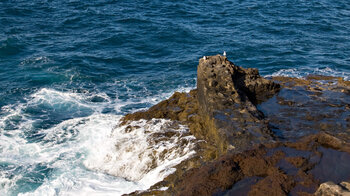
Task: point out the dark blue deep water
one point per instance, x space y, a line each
64 61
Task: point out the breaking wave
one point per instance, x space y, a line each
84 151
303 72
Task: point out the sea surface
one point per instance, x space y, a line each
70 69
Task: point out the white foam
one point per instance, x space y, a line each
150 100
16 116
303 72
13 116
90 155
35 60
7 182
143 154
79 181
105 150
67 100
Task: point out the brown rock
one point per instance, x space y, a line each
227 95
222 109
275 184
346 185
222 112
297 161
265 162
331 189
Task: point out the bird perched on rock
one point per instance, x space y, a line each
224 53
204 57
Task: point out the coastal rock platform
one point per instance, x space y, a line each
256 135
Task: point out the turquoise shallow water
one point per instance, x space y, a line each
73 63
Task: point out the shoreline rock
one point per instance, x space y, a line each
282 168
227 96
250 129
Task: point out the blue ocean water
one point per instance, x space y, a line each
68 66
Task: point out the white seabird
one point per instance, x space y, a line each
204 57
224 53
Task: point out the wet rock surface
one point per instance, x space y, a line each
304 107
280 168
257 136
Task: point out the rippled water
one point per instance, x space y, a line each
66 66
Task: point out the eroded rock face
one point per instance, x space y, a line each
227 95
218 78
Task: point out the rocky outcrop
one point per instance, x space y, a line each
258 136
222 110
227 96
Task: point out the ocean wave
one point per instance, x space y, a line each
102 159
37 60
46 103
138 103
143 151
68 101
303 72
86 151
